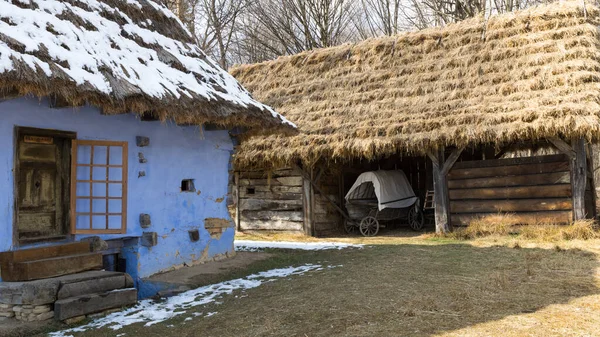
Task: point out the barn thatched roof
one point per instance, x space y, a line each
122 56
518 76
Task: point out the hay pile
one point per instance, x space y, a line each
505 224
519 76
121 56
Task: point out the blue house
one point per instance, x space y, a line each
114 133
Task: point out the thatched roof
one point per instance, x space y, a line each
518 76
122 56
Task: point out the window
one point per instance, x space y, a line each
98 187
250 190
187 185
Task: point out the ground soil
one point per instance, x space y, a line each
408 285
206 273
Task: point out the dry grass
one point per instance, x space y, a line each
533 76
579 230
505 224
422 287
500 224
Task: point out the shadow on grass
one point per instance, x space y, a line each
392 290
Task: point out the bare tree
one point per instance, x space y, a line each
220 22
381 16
248 31
290 26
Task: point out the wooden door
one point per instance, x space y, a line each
42 183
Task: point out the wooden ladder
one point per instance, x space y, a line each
429 204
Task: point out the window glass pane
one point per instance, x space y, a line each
98 189
92 198
116 155
82 205
99 206
82 189
100 155
82 222
84 154
114 222
115 205
115 174
99 173
98 222
83 173
115 190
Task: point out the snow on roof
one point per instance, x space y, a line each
120 55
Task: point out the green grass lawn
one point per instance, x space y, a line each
409 287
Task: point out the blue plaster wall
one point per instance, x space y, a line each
175 153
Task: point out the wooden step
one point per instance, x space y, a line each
44 252
88 304
51 267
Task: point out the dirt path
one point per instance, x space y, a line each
206 273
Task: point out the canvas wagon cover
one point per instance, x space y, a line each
391 188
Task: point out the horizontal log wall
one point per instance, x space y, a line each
532 189
270 203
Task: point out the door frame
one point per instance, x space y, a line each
18 131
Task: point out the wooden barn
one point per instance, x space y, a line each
486 116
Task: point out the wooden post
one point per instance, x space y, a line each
307 201
576 153
578 178
441 167
236 199
440 188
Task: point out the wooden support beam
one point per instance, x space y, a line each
307 202
452 158
578 178
315 186
236 197
563 147
441 167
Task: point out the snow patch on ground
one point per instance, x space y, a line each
254 246
152 312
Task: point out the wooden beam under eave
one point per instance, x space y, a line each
563 147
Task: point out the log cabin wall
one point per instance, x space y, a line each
533 189
327 220
269 203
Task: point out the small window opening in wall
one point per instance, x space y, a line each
187 185
250 190
194 235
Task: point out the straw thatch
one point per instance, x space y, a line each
518 76
122 56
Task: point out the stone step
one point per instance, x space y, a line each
45 291
88 304
51 267
95 285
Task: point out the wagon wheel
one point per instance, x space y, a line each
350 226
369 226
416 218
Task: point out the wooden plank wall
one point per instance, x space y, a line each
327 220
533 189
273 203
